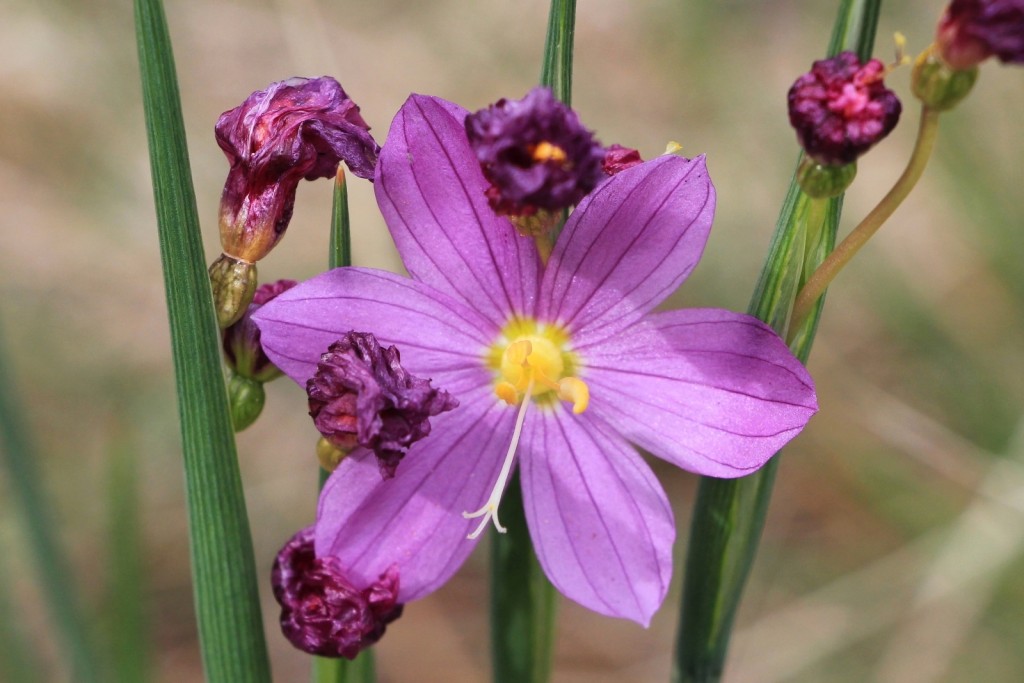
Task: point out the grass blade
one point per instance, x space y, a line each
226 595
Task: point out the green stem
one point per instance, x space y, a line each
522 600
556 71
858 237
129 632
21 459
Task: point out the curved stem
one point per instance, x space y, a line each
849 247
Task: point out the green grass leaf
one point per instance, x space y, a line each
20 458
226 595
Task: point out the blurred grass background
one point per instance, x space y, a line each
895 544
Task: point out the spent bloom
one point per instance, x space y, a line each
322 611
295 129
971 31
841 108
362 396
556 367
535 153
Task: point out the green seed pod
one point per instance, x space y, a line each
939 86
246 397
234 284
822 181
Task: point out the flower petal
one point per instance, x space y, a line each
600 522
712 391
438 337
628 246
415 519
431 191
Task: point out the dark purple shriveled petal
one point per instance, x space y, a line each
295 129
535 153
973 30
322 611
361 395
841 108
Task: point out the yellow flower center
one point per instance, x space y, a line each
533 365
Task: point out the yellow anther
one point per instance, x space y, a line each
673 147
545 151
507 393
576 390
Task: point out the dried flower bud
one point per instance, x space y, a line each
841 108
535 153
361 396
295 129
971 31
618 158
241 340
322 612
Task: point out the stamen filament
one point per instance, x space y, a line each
490 509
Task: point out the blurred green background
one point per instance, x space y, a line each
894 549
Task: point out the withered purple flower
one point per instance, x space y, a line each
841 108
361 396
535 154
322 612
241 340
971 31
295 129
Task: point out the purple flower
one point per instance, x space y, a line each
971 31
841 108
361 395
535 153
559 367
322 612
241 340
295 129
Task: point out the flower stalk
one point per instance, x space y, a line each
825 273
